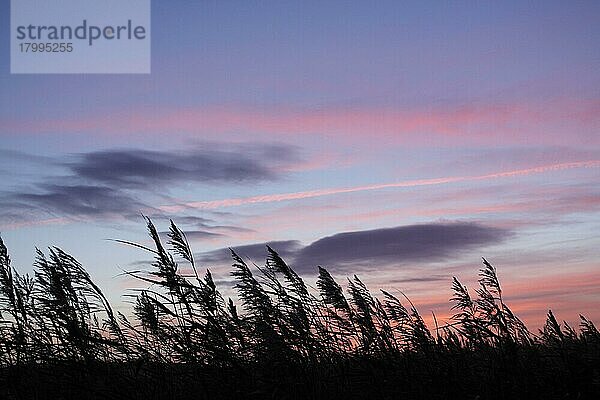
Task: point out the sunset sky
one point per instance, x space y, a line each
401 141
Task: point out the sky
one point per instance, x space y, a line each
400 141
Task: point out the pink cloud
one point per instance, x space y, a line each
549 122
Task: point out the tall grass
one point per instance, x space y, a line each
283 340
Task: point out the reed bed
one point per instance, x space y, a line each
281 339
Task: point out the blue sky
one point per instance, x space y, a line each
268 102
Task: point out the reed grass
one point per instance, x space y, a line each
60 338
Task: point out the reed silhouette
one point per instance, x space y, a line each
61 339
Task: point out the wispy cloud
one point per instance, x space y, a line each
403 184
79 200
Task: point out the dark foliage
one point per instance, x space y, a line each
60 339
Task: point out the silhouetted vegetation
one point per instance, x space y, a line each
60 338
